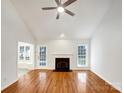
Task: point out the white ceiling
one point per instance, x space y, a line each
43 24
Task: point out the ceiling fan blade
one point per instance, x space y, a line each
57 2
69 12
60 1
68 2
58 15
49 8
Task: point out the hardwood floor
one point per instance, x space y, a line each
44 81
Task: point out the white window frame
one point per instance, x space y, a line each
87 55
39 56
31 55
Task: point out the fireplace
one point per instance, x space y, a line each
62 64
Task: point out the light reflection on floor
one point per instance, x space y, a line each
82 77
82 80
22 71
42 75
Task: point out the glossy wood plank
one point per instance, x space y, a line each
45 81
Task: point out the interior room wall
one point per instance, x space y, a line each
13 30
61 48
106 47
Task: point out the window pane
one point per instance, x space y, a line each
42 56
82 55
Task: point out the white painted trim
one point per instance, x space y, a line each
85 68
71 69
15 80
8 85
87 55
106 80
38 59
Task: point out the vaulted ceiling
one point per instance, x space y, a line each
43 24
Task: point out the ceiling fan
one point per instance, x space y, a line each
61 7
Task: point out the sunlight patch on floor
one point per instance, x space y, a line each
22 71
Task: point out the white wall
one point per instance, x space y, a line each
61 48
13 30
106 57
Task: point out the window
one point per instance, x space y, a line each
82 55
42 56
24 53
27 53
21 53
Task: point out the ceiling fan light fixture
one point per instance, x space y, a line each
60 9
62 35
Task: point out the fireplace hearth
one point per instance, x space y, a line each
62 64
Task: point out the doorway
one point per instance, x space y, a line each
25 61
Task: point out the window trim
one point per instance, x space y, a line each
87 55
39 56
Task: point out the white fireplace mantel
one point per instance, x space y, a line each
57 54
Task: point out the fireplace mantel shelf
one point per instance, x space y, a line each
62 54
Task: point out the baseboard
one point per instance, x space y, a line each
105 80
70 68
80 68
2 88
